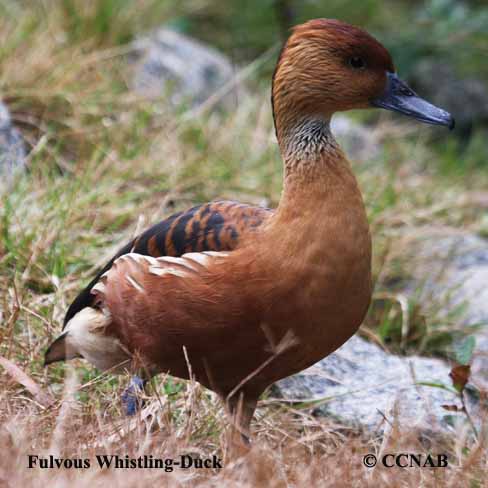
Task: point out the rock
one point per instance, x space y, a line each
188 70
359 142
465 97
452 267
12 148
364 384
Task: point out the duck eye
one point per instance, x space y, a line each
356 62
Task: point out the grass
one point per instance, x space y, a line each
103 166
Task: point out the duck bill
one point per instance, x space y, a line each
398 97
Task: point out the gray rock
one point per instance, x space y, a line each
168 62
12 147
453 268
364 385
359 142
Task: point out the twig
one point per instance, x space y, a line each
468 416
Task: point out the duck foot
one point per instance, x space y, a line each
131 398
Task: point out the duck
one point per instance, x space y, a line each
238 297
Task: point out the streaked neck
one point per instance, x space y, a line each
306 138
316 171
309 149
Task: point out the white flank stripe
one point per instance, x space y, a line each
100 287
198 257
135 284
168 270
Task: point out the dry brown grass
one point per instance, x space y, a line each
291 448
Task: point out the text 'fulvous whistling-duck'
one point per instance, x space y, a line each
246 295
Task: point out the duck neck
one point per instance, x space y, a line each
305 140
316 172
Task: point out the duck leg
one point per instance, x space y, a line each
131 398
240 409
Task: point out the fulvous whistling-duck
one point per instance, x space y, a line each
244 295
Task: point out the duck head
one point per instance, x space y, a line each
328 66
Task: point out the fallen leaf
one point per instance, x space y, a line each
460 376
452 408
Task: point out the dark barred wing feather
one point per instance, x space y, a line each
215 226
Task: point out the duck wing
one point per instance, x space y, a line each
214 226
158 308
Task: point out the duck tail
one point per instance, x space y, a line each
58 350
77 336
